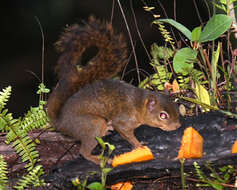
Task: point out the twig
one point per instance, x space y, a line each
112 13
131 41
198 14
208 8
138 32
43 49
42 56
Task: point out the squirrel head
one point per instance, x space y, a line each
161 112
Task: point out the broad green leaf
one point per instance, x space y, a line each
95 186
196 33
177 25
215 27
183 60
202 95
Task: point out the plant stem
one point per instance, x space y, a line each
182 174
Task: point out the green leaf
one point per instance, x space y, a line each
223 169
101 142
215 27
110 146
202 94
177 25
107 170
42 89
160 52
222 7
226 176
183 60
143 83
95 186
216 185
196 33
4 96
214 70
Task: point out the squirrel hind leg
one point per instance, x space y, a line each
86 149
93 127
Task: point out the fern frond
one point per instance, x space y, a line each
165 33
6 120
4 96
199 172
34 119
32 178
3 173
15 132
23 145
26 148
18 135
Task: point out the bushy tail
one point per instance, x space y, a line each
111 57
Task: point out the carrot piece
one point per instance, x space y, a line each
234 147
191 144
122 186
140 154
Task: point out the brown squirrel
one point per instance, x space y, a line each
86 101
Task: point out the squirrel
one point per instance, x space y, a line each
86 101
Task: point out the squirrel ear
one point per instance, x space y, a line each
151 103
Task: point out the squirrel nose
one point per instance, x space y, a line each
175 126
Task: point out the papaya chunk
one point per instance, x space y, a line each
140 154
122 186
234 148
191 144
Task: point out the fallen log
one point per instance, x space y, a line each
219 134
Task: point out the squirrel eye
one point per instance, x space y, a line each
164 115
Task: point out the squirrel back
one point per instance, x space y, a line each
111 57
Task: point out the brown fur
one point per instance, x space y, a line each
86 100
106 64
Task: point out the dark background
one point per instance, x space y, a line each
21 41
